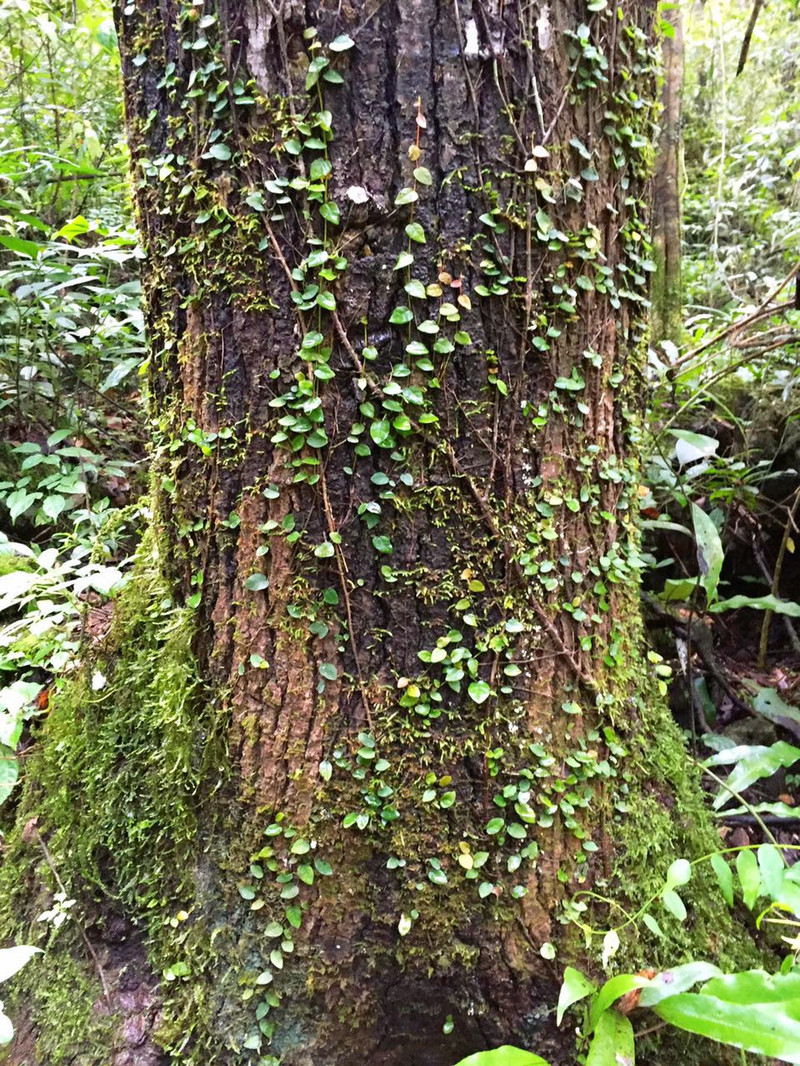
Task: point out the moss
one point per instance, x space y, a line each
11 563
116 781
65 1000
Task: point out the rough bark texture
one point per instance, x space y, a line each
393 511
666 296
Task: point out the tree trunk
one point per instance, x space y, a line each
377 704
666 296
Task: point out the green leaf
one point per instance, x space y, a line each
294 916
749 876
423 176
710 554
406 196
416 289
653 926
219 151
503 1056
612 1044
6 1028
674 904
415 232
772 870
771 1029
755 986
53 506
574 988
13 959
403 260
320 168
330 212
306 874
724 876
382 545
341 43
256 582
400 316
381 433
324 550
758 603
753 762
770 705
17 244
679 873
479 691
9 772
693 446
611 991
329 671
678 979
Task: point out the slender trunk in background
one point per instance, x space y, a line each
376 705
666 294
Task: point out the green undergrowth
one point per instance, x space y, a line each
132 747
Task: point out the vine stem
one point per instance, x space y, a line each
341 566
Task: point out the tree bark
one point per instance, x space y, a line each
396 278
666 296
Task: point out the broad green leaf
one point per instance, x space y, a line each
13 959
679 873
710 554
53 506
330 212
678 979
9 771
6 1027
18 244
611 991
406 196
256 582
416 289
749 877
574 988
479 691
612 1044
503 1056
674 904
381 433
689 447
771 1029
754 986
724 877
753 762
772 869
770 705
758 603
653 925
